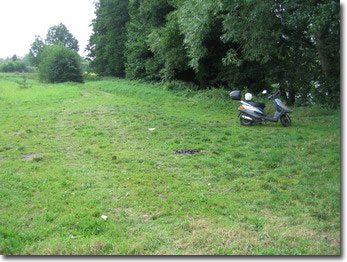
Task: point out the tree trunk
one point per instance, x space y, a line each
323 57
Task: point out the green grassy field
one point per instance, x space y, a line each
70 153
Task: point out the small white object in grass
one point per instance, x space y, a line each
151 129
209 184
104 217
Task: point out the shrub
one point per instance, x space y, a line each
60 64
23 84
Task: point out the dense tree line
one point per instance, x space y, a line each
239 44
15 64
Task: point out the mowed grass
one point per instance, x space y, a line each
70 153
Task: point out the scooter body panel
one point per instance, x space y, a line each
257 114
281 107
249 108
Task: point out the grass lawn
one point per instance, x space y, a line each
70 153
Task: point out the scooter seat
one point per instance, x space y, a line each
256 104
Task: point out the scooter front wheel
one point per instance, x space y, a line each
245 122
285 120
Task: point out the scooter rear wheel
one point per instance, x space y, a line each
285 120
245 122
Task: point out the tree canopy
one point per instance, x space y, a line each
56 35
59 34
35 50
236 44
107 43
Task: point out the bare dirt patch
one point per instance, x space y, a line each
33 156
188 151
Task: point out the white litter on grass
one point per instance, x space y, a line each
151 129
104 217
209 184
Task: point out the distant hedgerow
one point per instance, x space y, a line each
60 64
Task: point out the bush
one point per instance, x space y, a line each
60 64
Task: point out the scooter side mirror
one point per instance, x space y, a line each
264 92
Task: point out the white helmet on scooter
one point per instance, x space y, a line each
248 96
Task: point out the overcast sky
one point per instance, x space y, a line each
21 20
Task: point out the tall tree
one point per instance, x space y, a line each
319 21
107 43
59 34
167 45
236 44
145 17
217 61
35 50
285 37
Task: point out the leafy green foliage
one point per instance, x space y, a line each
59 34
56 35
237 44
145 17
11 66
320 21
35 50
166 43
287 38
196 19
14 65
60 64
107 43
